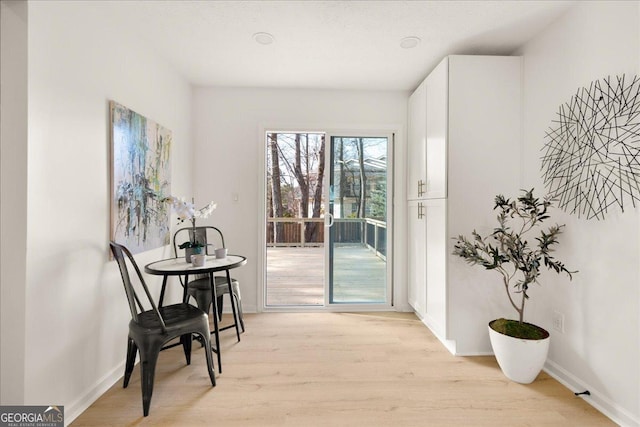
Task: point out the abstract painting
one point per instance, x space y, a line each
141 179
591 161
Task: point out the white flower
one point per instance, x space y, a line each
187 211
206 211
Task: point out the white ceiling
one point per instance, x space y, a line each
325 44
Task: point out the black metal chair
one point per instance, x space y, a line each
150 330
199 287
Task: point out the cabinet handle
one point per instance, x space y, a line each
420 211
420 188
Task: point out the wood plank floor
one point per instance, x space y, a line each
339 369
295 276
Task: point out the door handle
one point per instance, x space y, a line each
420 211
328 220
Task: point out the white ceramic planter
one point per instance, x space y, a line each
520 360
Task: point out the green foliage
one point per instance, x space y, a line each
189 244
378 202
506 249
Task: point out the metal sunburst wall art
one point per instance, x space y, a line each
591 161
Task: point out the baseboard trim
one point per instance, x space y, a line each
74 410
596 399
450 345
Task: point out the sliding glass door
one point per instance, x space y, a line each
356 223
327 209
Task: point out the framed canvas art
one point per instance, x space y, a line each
141 179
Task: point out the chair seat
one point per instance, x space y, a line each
176 317
200 289
202 284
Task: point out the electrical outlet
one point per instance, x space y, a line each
558 321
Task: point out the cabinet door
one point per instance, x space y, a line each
437 126
416 250
416 148
436 255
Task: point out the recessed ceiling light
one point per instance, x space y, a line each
409 42
263 38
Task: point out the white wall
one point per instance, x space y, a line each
13 193
229 153
599 350
76 311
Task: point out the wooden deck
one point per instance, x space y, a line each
295 276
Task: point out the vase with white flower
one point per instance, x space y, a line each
186 211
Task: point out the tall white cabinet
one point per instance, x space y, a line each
463 148
416 186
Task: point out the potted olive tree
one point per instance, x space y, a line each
521 348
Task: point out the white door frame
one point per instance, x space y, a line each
392 133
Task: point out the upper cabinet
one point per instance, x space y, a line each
427 148
417 148
437 125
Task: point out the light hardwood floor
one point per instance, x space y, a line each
339 369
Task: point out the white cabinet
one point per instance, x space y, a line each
416 150
435 214
464 137
416 228
437 124
416 186
426 183
427 147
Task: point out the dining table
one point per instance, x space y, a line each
180 267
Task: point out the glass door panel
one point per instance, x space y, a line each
357 224
295 182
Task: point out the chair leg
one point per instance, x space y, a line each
220 305
186 341
239 307
132 350
149 358
209 356
203 301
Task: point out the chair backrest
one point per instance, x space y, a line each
210 237
121 255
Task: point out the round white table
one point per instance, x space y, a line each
179 267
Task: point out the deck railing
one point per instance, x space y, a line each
295 232
301 232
